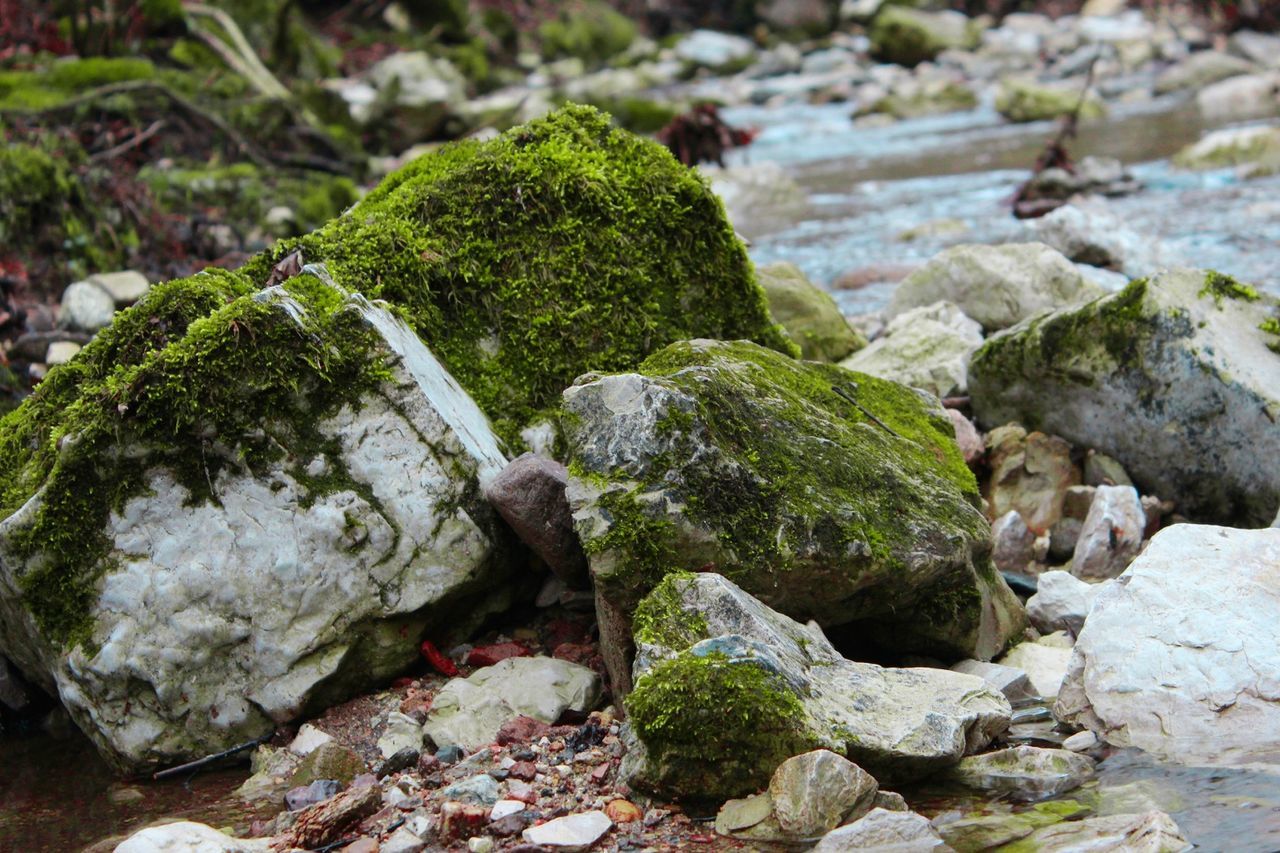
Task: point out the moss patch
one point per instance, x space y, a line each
563 246
662 620
588 29
1219 287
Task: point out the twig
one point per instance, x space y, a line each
129 144
850 399
201 763
243 60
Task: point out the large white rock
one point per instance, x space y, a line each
1246 96
216 621
1088 231
1152 832
571 832
85 307
469 711
1174 377
884 831
1023 773
1045 662
1062 602
996 285
1181 657
927 347
189 837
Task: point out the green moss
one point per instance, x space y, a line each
1220 287
662 620
79 74
588 29
1028 100
640 115
561 247
722 727
1271 326
201 376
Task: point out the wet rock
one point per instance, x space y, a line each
720 52
990 832
1243 97
910 36
915 97
1023 773
1011 681
996 285
469 711
308 795
1242 147
572 832
85 307
1097 375
1153 831
1044 661
968 439
808 313
529 495
927 347
1014 543
737 817
815 792
1201 69
755 687
670 463
1030 474
1103 176
1062 602
881 829
1023 100
329 760
1111 535
189 837
1179 657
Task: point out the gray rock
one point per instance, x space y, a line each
1260 48
529 495
808 313
815 792
755 687
308 795
1099 375
571 832
1242 147
910 36
1031 474
1011 681
759 198
401 732
968 439
1101 470
720 52
1045 662
403 840
1065 532
85 307
1154 831
884 831
811 17
1201 69
1014 543
1081 741
1179 658
733 455
1243 97
1062 602
1112 534
189 837
272 771
14 695
927 347
1099 176
1023 773
419 87
469 711
996 285
1024 99
480 790
124 287
750 817
1087 231
276 589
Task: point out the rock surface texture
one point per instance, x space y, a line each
1178 367
730 455
1178 657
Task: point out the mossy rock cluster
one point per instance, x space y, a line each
589 29
562 246
811 317
1023 100
828 494
908 36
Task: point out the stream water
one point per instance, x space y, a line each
865 186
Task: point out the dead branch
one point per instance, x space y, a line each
130 143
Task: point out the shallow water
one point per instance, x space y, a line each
866 186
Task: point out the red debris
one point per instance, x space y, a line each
491 654
439 662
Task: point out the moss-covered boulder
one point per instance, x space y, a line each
234 504
1255 149
1021 100
808 313
1178 377
830 495
727 689
562 246
910 36
913 98
591 30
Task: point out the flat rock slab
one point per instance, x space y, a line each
884 830
572 832
1023 773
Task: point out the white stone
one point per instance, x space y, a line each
1181 657
1045 663
1009 680
189 837
60 352
1088 231
1153 832
815 792
1023 773
505 808
85 307
1247 96
125 287
926 347
401 732
997 286
421 79
1111 535
308 739
1081 741
884 831
402 841
1062 602
571 832
469 711
715 50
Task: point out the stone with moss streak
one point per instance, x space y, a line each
1023 773
808 313
730 455
911 36
727 689
280 538
1023 100
1173 376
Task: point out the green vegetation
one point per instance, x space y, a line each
588 29
1220 287
660 619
